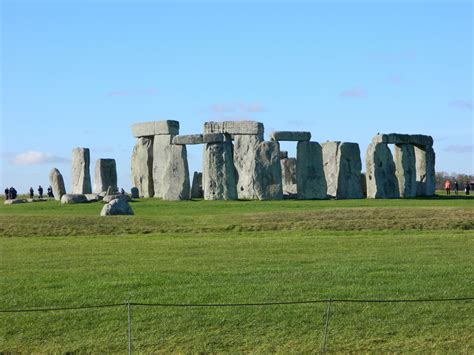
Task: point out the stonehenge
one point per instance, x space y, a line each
238 163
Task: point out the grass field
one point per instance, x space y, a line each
239 252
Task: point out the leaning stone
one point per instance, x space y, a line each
425 171
81 179
148 129
188 139
245 148
310 171
405 169
57 184
218 179
380 172
267 174
288 177
116 207
14 202
290 136
142 166
105 175
93 197
109 198
397 138
135 192
196 186
73 198
234 127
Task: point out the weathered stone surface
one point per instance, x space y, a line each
397 138
57 183
380 173
245 148
234 127
109 198
196 186
116 207
105 175
288 177
267 173
214 138
283 154
425 171
81 179
73 198
142 167
290 136
405 169
310 171
218 179
93 197
135 192
342 168
188 139
148 129
14 202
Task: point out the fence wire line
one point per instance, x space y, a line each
254 304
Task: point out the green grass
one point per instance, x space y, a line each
244 251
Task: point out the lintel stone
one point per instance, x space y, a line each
396 138
290 136
234 127
145 129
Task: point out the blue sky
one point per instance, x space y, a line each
80 73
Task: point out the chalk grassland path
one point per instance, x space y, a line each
237 252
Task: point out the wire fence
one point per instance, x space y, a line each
325 331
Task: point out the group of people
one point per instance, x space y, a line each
11 193
455 185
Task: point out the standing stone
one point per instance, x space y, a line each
245 148
288 176
310 171
142 166
425 171
57 183
81 179
331 166
405 169
267 173
218 179
175 184
196 186
105 175
380 174
135 192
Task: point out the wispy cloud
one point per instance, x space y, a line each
136 92
356 93
459 148
34 158
462 104
240 107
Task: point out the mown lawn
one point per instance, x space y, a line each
239 252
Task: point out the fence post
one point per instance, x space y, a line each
129 328
326 327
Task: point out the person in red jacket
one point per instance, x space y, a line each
447 186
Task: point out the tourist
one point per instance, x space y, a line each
40 191
447 186
456 187
467 188
50 192
32 192
7 193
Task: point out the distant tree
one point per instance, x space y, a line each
442 176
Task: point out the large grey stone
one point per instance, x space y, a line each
93 197
380 172
218 179
148 129
291 136
288 177
135 192
405 169
81 179
267 173
196 186
57 183
310 171
73 198
397 138
105 175
142 166
188 139
342 168
109 198
116 207
425 171
234 127
245 148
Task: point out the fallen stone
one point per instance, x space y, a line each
109 198
81 179
290 136
93 197
218 179
234 127
397 138
14 202
142 166
267 173
105 175
196 186
149 129
288 177
57 184
116 207
310 171
405 169
380 172
73 198
425 171
135 192
245 148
